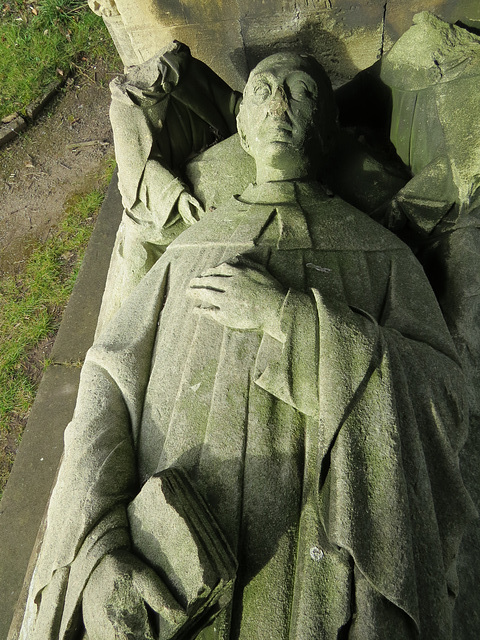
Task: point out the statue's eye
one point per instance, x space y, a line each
300 90
261 91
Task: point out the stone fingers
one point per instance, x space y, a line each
157 595
212 282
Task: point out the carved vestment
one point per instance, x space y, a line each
329 460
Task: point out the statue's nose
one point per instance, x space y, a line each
278 102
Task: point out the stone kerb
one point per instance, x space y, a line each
14 124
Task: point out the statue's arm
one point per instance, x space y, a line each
163 112
324 335
320 333
87 518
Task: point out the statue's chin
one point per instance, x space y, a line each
283 155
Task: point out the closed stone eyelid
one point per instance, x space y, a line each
310 89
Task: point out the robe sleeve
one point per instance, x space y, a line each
165 110
142 237
86 517
388 397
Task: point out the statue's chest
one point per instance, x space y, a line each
356 278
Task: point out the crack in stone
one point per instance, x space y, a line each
242 37
384 19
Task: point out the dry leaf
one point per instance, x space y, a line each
60 72
34 11
9 118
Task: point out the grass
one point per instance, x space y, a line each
31 305
39 41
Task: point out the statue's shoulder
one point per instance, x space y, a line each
337 225
220 226
333 224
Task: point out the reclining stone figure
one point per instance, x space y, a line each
288 355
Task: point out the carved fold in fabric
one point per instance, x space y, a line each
173 529
157 126
299 495
153 117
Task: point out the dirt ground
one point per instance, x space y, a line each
63 154
56 158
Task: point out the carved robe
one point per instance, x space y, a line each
330 460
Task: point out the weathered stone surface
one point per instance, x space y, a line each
235 35
228 160
342 49
175 531
10 130
288 355
399 15
121 39
105 8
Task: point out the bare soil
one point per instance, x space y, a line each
56 158
63 154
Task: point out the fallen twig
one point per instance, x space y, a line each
88 143
79 69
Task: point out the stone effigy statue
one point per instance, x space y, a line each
278 400
425 92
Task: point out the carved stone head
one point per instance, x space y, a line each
288 112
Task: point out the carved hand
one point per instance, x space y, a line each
116 597
189 208
241 295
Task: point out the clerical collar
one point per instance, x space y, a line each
270 193
282 199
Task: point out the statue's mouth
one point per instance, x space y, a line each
277 129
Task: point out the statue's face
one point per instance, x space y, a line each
277 115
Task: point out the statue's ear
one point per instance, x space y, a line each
241 132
